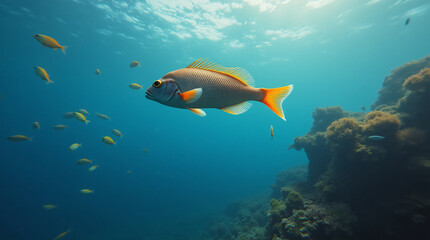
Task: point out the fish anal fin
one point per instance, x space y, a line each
238 108
192 95
237 73
198 111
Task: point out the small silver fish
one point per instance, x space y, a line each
376 137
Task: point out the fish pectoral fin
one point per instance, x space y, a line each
192 95
238 108
198 111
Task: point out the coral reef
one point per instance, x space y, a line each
392 89
242 220
287 178
383 181
323 117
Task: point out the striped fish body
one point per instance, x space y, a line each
219 90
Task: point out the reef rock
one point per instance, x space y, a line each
382 183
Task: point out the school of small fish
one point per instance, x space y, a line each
80 115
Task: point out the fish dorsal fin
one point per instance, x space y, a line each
237 73
238 108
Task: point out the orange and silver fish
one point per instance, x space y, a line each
61 236
43 74
134 64
204 84
49 42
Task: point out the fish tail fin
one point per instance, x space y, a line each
49 82
30 139
63 48
274 97
87 121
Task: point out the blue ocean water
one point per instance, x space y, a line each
334 52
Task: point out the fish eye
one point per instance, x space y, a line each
157 83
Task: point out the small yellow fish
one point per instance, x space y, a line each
60 127
18 138
68 115
98 71
74 146
135 86
49 42
83 111
43 74
134 64
108 140
271 131
83 161
92 168
86 191
61 236
102 116
49 206
145 150
204 84
116 132
36 125
80 117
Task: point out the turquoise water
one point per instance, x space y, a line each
334 52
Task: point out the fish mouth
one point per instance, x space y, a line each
149 95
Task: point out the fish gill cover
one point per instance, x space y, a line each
87 156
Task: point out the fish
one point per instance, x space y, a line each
134 64
43 74
145 150
135 86
18 138
60 127
49 206
407 21
74 146
117 133
271 131
49 42
80 117
68 115
108 140
363 108
83 111
204 84
61 236
36 125
83 161
92 168
376 137
129 172
102 116
98 71
86 191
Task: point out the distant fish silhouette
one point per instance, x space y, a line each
375 137
271 131
407 21
363 108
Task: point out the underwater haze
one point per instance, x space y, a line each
173 171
